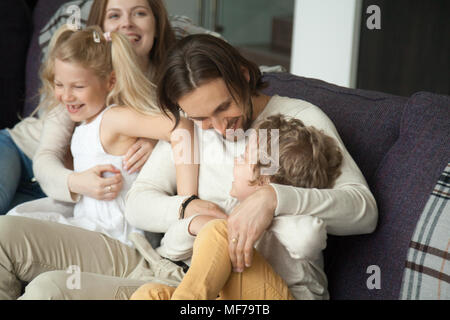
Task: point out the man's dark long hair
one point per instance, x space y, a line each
199 59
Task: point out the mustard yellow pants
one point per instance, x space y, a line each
210 275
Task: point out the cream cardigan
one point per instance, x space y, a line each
46 141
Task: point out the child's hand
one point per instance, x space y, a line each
138 154
203 207
197 224
91 182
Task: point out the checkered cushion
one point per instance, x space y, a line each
427 269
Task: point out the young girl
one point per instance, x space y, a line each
96 77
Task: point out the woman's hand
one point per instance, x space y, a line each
91 182
138 154
246 224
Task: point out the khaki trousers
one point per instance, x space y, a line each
210 275
65 262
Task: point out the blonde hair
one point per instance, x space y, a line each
132 88
308 158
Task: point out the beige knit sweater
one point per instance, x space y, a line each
46 140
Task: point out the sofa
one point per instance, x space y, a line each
401 145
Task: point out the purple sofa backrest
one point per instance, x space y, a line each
401 146
402 185
367 121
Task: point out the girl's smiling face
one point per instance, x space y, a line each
81 91
135 19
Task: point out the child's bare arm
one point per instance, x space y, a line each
197 223
184 148
128 122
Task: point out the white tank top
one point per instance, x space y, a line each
107 217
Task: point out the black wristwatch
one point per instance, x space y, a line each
185 204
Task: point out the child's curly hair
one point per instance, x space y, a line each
308 158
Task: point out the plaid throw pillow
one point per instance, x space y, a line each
427 271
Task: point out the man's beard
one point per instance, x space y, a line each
234 134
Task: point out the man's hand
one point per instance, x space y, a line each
247 223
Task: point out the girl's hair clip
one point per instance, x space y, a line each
107 36
96 37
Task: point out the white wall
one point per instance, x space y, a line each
326 40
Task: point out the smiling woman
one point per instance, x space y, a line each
134 19
144 22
